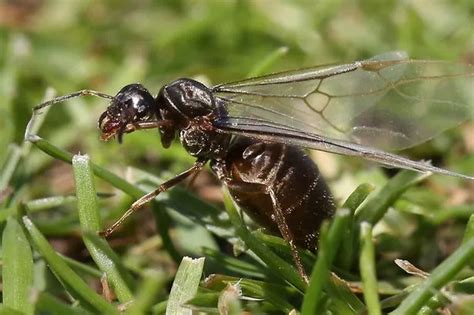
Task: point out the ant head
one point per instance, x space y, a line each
133 103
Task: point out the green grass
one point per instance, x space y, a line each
57 191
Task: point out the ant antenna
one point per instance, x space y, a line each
69 96
30 132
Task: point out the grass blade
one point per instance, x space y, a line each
5 310
346 253
76 286
343 300
469 233
185 285
329 244
377 206
51 305
232 264
439 277
153 282
18 152
12 161
17 269
263 66
89 216
367 270
90 223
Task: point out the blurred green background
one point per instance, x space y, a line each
103 45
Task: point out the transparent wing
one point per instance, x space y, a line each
268 131
387 102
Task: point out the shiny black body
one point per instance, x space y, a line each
277 185
252 168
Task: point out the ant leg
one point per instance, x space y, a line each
198 165
287 235
129 128
279 217
191 181
147 125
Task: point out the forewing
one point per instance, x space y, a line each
387 102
